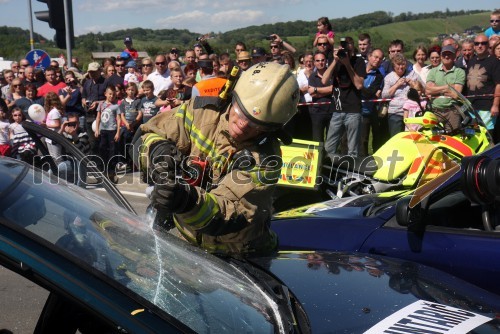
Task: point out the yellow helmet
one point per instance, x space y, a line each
267 93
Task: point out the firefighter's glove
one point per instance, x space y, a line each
164 157
171 194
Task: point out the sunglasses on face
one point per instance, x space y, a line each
119 65
73 124
494 21
274 46
147 65
322 44
16 85
319 60
480 43
162 63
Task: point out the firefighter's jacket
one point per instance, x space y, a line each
232 216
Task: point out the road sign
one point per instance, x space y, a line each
39 59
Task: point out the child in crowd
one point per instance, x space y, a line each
120 93
132 75
411 108
107 128
23 147
54 110
494 28
175 95
4 130
324 29
148 107
131 118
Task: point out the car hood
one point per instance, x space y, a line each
378 288
330 208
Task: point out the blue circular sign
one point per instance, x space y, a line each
39 59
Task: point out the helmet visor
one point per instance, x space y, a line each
244 118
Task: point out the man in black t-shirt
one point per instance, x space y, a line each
483 78
348 73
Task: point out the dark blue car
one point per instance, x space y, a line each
105 269
442 228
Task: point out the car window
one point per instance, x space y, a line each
454 210
198 289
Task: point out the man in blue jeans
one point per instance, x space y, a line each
348 73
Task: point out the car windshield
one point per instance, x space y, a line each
205 293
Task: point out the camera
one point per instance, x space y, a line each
343 43
342 53
270 37
480 179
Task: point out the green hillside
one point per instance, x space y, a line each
429 28
411 28
411 32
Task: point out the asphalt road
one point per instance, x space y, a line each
22 301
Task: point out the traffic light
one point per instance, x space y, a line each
55 17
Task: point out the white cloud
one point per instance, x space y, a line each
202 22
154 7
101 28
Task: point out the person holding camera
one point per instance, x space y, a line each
71 95
347 71
278 46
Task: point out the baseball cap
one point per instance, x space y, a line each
124 55
448 48
258 52
131 64
243 55
95 66
127 39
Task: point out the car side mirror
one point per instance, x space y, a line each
412 218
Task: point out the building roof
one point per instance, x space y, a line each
104 55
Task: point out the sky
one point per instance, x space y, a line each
203 16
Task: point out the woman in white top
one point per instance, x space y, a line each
54 110
434 56
420 57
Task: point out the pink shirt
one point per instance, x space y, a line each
330 34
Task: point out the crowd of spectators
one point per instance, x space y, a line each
341 84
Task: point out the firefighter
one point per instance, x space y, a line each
238 145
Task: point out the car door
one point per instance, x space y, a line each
453 240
